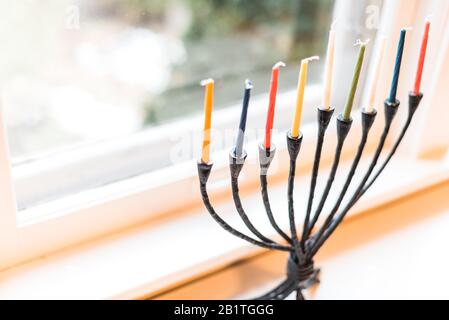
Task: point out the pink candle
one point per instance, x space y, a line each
422 57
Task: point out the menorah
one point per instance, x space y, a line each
301 273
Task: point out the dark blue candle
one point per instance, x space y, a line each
397 67
244 115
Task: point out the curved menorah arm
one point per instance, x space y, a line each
265 159
343 128
390 112
324 117
236 166
413 104
204 173
267 205
293 146
367 123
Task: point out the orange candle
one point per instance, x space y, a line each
208 106
272 103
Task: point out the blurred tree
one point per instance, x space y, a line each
253 32
210 18
235 15
141 11
310 26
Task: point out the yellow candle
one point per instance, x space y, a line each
372 87
325 103
300 95
208 105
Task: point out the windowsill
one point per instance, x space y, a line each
134 264
373 256
67 221
127 157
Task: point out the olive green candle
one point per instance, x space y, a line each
355 81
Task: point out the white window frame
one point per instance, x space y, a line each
49 227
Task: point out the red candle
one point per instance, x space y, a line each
272 103
422 57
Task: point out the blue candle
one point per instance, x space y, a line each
397 67
244 115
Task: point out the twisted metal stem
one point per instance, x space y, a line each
390 155
242 213
324 117
282 295
204 171
345 187
326 231
266 203
293 147
315 169
299 295
291 208
330 181
299 277
280 292
367 122
343 127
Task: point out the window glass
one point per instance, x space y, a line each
80 71
91 73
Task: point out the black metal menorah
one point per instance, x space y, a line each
301 272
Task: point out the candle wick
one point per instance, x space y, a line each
428 18
311 59
334 24
206 82
360 42
279 64
407 29
248 84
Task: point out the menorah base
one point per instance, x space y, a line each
300 277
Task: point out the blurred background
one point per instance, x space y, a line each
93 90
81 71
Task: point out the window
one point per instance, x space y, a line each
104 169
95 70
107 75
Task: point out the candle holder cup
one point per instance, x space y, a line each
301 272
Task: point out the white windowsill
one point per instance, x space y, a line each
67 221
136 264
